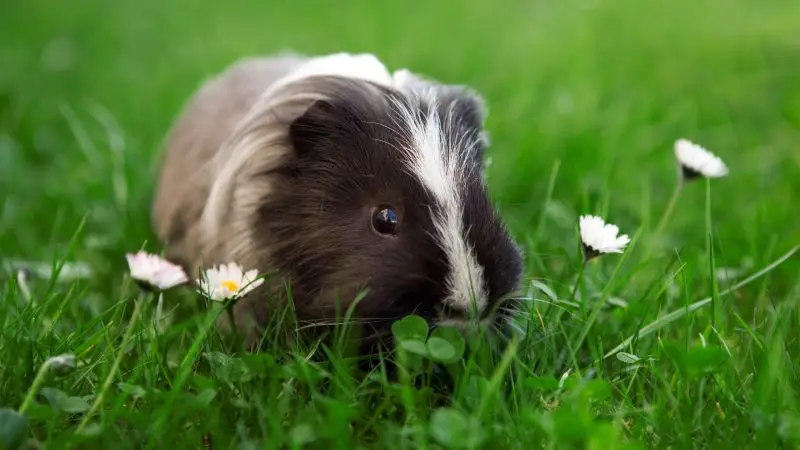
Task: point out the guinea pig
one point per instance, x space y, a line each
338 178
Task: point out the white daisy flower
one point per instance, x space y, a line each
599 237
696 161
228 282
61 364
155 271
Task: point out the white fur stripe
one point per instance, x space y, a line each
364 66
439 168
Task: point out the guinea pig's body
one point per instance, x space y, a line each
336 176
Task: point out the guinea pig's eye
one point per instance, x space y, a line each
385 220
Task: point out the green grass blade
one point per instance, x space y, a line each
677 314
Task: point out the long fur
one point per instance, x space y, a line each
278 163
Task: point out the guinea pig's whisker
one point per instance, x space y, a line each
516 299
533 300
329 324
339 322
515 312
305 324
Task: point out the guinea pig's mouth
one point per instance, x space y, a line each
437 314
492 317
465 323
491 320
460 320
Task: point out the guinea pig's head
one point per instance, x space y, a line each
383 197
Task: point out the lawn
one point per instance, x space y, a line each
586 99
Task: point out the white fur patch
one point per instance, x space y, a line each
440 168
364 66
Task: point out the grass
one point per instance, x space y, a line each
586 99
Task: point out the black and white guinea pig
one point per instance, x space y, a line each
339 178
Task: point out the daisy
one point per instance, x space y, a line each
599 238
696 161
61 364
228 282
154 271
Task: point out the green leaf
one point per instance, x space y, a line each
706 359
569 382
453 338
62 402
39 411
440 350
570 426
205 397
92 430
545 289
414 346
229 369
475 390
410 327
136 392
302 434
259 363
604 437
305 371
453 429
201 382
597 390
13 428
627 358
216 359
74 405
697 360
543 383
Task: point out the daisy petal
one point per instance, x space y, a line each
228 282
599 237
155 271
697 161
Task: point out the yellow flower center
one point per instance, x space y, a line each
230 285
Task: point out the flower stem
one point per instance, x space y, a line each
673 200
232 320
159 310
35 387
184 370
115 367
578 280
716 308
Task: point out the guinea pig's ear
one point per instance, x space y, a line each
314 126
467 110
468 107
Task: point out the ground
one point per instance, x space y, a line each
586 99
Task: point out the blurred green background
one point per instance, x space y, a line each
590 94
88 89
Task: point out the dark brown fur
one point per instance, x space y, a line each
307 214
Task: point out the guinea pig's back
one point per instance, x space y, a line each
205 122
